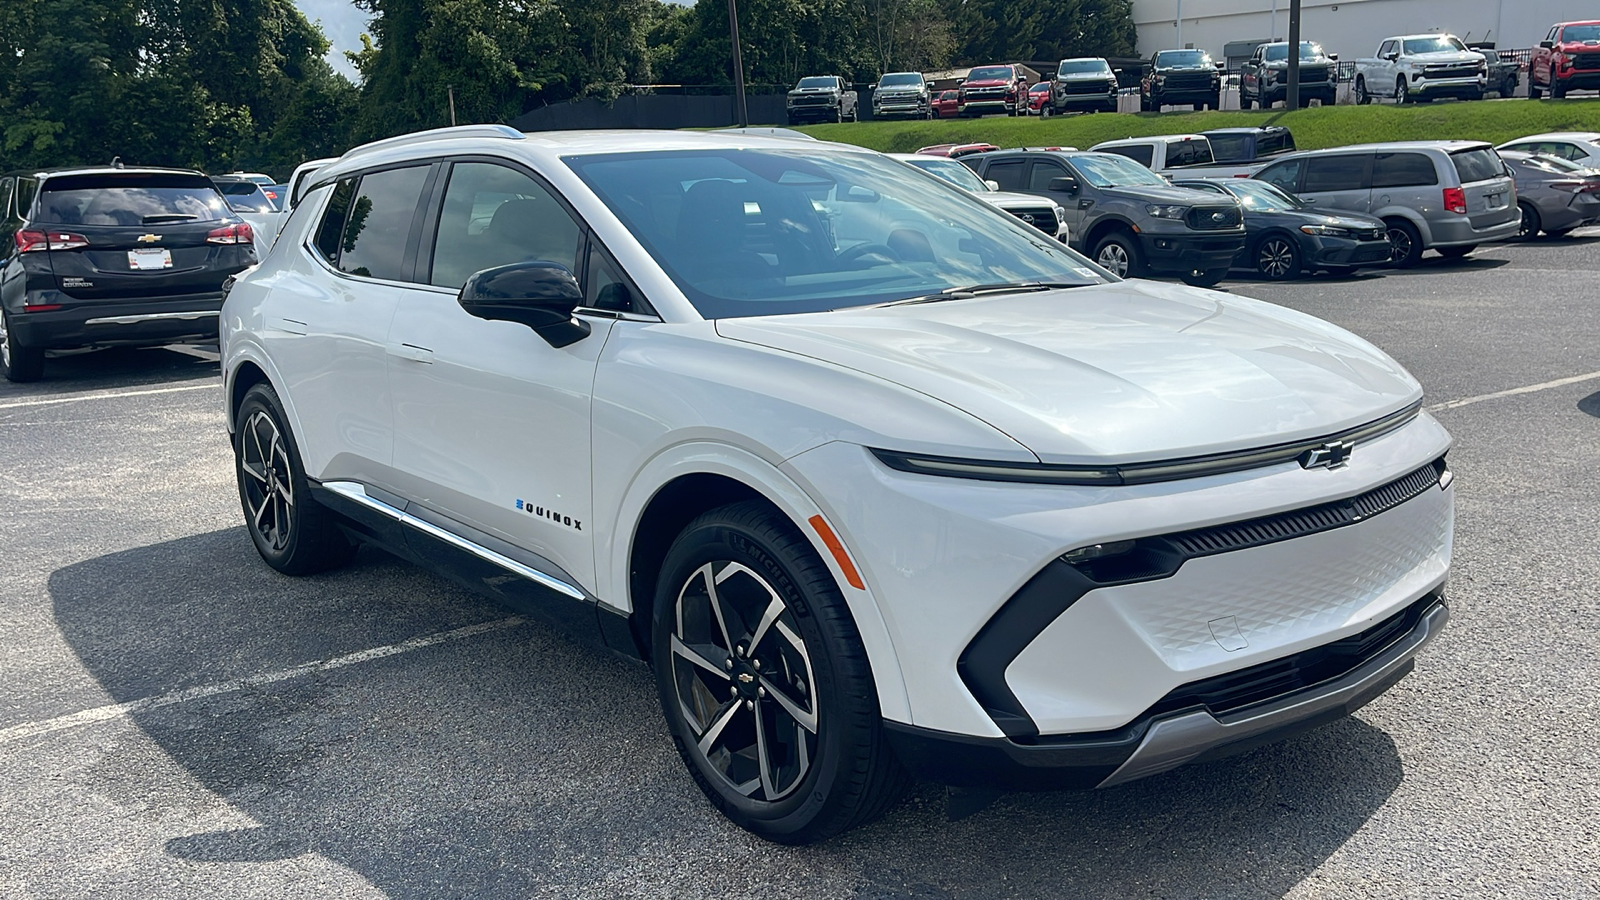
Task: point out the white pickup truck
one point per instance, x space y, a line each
1421 67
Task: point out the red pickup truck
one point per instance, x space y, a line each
1568 59
994 89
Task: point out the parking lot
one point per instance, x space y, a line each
176 719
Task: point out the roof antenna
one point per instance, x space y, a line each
116 162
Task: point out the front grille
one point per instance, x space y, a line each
1042 218
813 100
1214 218
986 93
1375 234
1585 60
1468 70
1187 81
1313 74
1085 87
1308 668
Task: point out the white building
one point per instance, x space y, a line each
1350 28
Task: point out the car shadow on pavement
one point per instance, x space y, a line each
518 762
118 367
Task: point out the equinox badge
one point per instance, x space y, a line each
1331 455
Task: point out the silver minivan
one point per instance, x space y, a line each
1448 196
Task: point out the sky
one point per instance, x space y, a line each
342 23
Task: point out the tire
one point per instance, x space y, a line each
304 537
1405 244
1531 222
1402 94
1277 258
1362 97
799 754
20 363
838 114
1558 91
1245 101
1118 254
1204 277
1457 252
1559 232
1215 102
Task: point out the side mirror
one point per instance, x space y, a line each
540 295
993 185
874 86
1547 45
1333 56
1066 184
1392 55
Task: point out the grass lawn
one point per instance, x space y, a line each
1329 126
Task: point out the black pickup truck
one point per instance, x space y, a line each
821 98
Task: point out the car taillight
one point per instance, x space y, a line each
32 241
237 233
1455 200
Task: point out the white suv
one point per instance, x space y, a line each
882 481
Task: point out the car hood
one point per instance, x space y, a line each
1170 195
1126 372
1087 76
1446 56
1012 198
1335 218
987 82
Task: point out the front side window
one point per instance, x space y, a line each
1336 173
494 216
1043 171
129 198
1387 48
771 232
1403 170
1007 173
1284 175
379 224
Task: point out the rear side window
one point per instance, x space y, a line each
1285 175
1143 154
1336 173
331 228
26 189
1272 142
1480 164
1390 170
1188 153
1229 147
245 196
379 224
494 216
129 198
1005 172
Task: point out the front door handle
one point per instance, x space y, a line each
411 352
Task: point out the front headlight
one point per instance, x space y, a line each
1327 231
1166 212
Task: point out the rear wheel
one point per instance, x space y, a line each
20 363
1277 258
764 681
1533 87
292 532
1531 222
1456 252
1204 277
1118 254
1405 244
1245 101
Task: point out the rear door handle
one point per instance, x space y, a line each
411 352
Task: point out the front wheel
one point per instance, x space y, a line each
292 532
1277 258
1405 244
764 681
1362 97
1557 91
1119 255
19 362
1531 222
1245 101
1402 94
1204 277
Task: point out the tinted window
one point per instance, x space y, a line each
495 216
1006 172
1481 164
1403 170
26 188
900 79
132 198
5 197
1188 153
1270 142
332 225
991 73
1227 147
1043 171
245 196
817 82
1083 67
1143 154
1285 175
1183 58
1388 47
1336 173
379 224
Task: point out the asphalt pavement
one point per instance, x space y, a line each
177 720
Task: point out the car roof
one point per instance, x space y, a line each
1407 37
1584 22
1560 135
1446 146
50 172
1168 138
1253 129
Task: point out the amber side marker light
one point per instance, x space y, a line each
837 549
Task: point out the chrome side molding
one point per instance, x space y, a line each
355 492
151 317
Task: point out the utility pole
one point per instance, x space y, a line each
1291 100
1178 20
738 66
452 91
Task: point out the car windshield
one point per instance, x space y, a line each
990 73
902 79
246 196
1258 196
1183 58
1104 170
951 171
1082 67
769 232
132 198
1280 52
1443 43
816 81
1576 33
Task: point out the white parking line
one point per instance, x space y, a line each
108 395
1542 386
118 710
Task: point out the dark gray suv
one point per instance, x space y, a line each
1126 218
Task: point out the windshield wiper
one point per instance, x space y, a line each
168 217
975 290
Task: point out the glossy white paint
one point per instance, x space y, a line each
395 386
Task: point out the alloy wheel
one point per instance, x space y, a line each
5 344
744 681
1275 258
1113 259
268 489
1399 245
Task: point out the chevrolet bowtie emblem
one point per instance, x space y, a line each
149 238
746 678
1331 455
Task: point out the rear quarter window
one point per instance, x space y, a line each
6 189
1479 164
1007 173
133 198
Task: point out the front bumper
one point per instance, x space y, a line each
1186 251
1578 80
1320 250
1461 88
897 107
1158 742
986 104
1325 91
146 321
